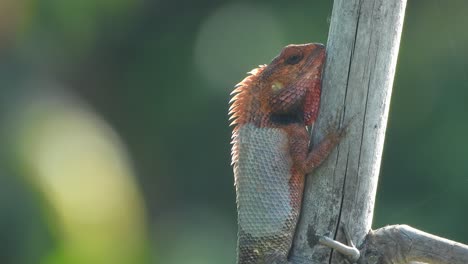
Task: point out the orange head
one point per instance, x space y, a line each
286 90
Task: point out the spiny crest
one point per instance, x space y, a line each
239 107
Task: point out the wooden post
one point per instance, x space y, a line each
362 51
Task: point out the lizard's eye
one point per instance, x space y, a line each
294 59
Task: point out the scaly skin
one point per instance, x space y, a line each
270 110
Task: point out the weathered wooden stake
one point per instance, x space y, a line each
362 53
362 50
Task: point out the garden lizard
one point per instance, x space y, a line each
270 110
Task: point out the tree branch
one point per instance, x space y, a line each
404 244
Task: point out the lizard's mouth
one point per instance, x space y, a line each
313 79
315 62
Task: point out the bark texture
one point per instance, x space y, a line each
362 50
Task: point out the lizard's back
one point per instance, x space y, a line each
266 216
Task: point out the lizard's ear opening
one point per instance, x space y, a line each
276 86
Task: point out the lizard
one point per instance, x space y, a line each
270 110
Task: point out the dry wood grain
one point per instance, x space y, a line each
363 45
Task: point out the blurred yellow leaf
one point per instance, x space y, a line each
80 166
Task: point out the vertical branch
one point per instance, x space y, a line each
362 51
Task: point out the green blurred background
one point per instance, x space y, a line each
114 132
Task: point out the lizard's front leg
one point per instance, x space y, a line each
320 152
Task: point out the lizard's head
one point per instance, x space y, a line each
288 89
291 83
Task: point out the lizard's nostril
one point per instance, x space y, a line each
319 46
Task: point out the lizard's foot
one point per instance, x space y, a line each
350 252
321 150
337 128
